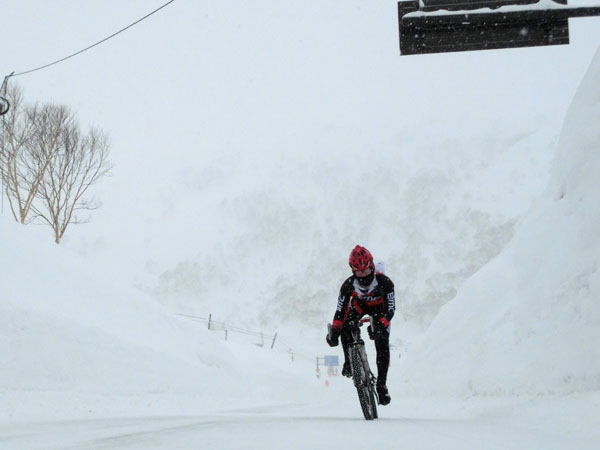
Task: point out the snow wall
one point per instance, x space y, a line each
529 321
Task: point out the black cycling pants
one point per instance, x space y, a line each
382 347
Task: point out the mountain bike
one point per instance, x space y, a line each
363 378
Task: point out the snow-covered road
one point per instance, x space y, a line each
465 425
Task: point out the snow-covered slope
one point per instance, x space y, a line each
529 321
76 344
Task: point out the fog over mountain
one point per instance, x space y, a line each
274 142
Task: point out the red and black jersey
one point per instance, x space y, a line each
377 299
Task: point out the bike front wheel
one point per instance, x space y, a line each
365 387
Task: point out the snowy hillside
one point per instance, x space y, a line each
529 321
75 344
431 215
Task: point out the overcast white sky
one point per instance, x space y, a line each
202 78
196 72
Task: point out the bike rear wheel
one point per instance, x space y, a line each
361 374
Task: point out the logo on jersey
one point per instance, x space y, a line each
340 305
371 298
391 301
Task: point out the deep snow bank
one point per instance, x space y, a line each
68 333
529 321
75 344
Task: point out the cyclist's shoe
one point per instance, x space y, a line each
346 370
383 394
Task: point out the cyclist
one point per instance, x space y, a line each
366 292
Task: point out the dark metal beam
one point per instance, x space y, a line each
430 30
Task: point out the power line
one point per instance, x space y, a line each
91 46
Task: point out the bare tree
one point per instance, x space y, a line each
79 162
47 164
16 135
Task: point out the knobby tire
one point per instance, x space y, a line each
361 374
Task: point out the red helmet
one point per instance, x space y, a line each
361 259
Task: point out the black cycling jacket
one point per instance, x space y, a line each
377 299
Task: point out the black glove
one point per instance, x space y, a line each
381 329
333 338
